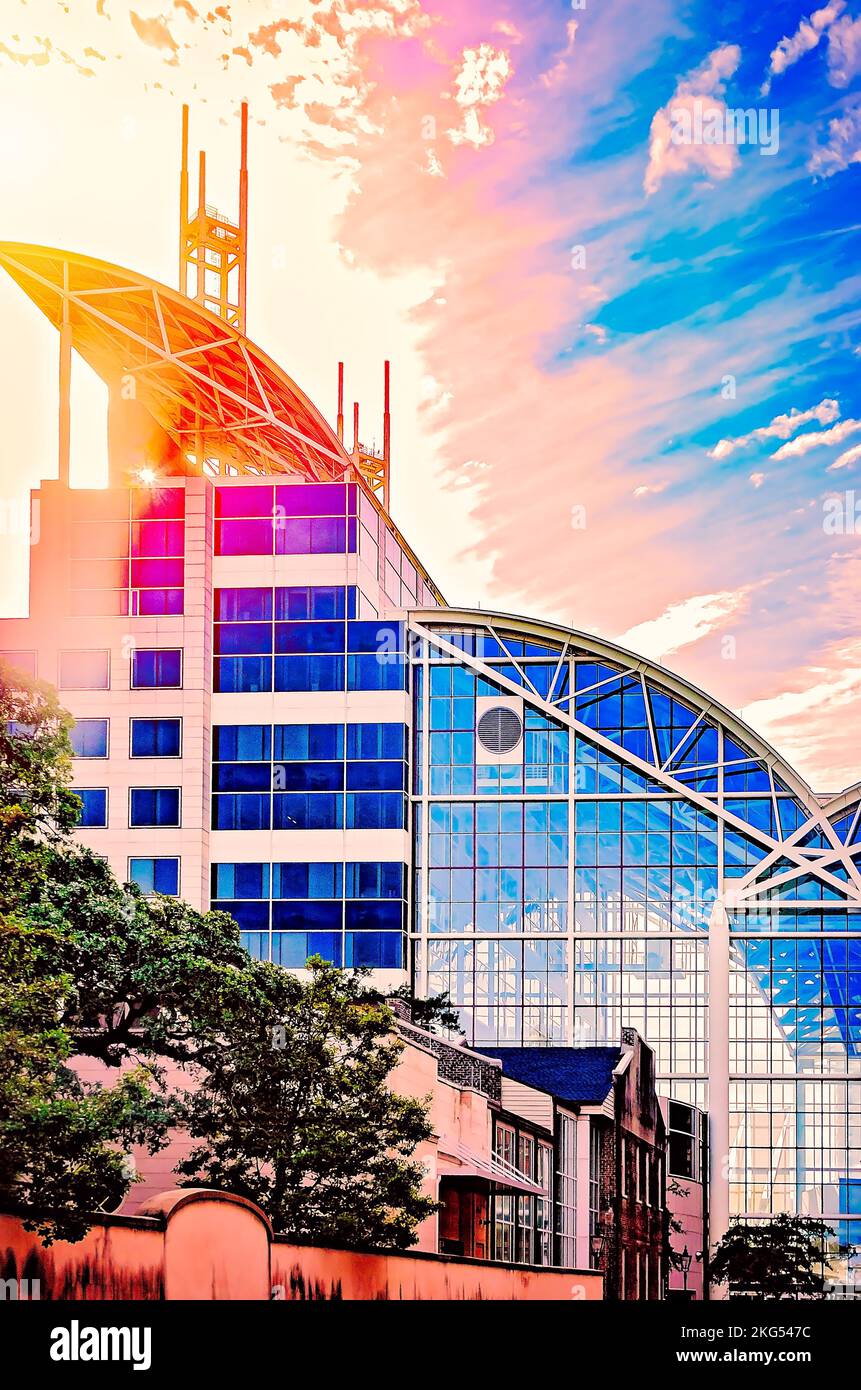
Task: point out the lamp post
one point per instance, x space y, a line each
684 1265
598 1243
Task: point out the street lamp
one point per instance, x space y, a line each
598 1242
684 1265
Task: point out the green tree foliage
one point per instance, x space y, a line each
92 968
63 1146
295 1111
785 1257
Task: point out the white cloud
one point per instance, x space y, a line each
806 37
684 623
757 479
646 489
781 427
851 456
480 82
796 448
844 144
699 94
844 51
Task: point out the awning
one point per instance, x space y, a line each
456 1160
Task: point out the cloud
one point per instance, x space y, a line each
806 37
844 51
781 427
647 489
845 460
685 622
796 448
844 144
757 479
153 32
699 94
480 81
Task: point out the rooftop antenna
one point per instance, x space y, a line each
211 244
375 468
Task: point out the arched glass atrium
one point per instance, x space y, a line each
596 844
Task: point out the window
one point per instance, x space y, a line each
155 875
153 806
526 1205
85 671
566 1190
642 1173
594 1186
156 738
682 1155
89 738
156 668
504 1203
544 1205
94 810
22 661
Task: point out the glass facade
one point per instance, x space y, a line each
574 869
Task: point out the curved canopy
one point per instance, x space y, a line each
205 383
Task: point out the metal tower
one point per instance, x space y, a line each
210 244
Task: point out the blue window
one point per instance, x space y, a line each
89 738
377 950
309 673
381 671
308 811
242 743
153 806
372 880
293 948
155 875
250 916
376 811
240 881
243 639
313 499
318 603
156 738
375 741
157 668
301 638
243 605
242 777
242 811
319 535
304 742
243 675
308 777
298 916
94 810
376 916
317 880
375 776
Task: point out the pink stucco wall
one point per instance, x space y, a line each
301 1272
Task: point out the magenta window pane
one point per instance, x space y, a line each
154 603
311 499
157 574
243 501
159 503
243 537
158 538
292 537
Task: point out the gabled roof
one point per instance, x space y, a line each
580 1075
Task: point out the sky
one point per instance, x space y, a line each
625 341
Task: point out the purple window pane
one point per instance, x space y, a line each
158 538
352 499
243 537
243 501
311 499
243 605
327 535
292 537
157 574
159 503
154 603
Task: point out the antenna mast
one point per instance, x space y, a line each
212 245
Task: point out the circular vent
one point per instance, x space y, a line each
499 729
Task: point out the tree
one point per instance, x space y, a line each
435 1012
62 1145
295 1112
785 1257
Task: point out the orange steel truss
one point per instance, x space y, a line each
226 405
212 246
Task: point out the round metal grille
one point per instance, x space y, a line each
499 729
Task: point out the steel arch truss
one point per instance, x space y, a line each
825 842
212 391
